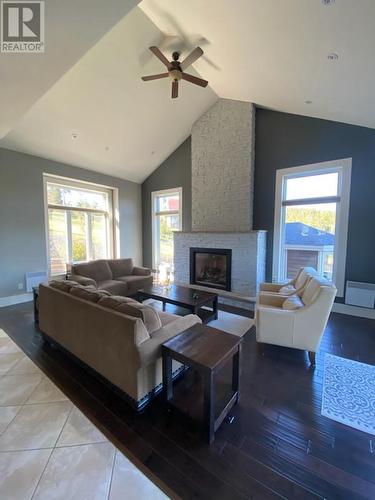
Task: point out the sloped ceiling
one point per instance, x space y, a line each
124 127
270 52
71 27
274 52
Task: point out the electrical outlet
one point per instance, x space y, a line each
20 286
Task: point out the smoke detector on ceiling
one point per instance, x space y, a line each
328 2
332 56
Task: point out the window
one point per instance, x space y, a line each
166 218
79 222
311 219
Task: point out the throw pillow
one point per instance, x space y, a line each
287 289
292 303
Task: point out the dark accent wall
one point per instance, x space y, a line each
284 140
174 172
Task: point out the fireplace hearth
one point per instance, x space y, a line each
211 267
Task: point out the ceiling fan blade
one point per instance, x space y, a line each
191 58
194 79
174 90
154 77
160 55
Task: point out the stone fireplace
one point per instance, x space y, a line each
222 207
211 267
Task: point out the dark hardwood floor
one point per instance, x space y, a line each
279 446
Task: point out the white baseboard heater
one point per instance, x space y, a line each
360 294
35 279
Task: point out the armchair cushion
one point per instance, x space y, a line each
293 302
312 289
304 275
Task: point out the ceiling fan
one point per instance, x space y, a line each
176 69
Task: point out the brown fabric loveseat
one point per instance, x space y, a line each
116 336
117 276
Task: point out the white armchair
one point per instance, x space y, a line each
294 322
293 286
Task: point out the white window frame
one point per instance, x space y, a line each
113 239
155 214
343 168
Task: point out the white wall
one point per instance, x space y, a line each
223 144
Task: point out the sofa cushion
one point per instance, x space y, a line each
130 307
136 282
114 301
292 303
120 267
63 285
305 274
97 270
115 287
86 293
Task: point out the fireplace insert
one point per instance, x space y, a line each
211 267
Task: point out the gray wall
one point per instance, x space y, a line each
22 227
175 171
284 140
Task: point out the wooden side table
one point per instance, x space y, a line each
206 350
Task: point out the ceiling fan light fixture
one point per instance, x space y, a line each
175 75
176 69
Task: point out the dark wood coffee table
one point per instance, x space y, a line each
206 350
185 297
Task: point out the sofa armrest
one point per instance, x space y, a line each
141 271
150 350
83 280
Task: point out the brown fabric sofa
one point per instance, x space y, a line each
117 276
117 337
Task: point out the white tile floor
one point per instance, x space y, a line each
48 449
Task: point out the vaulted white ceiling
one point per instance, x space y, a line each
125 127
274 52
270 52
71 27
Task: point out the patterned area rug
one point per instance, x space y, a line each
349 393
